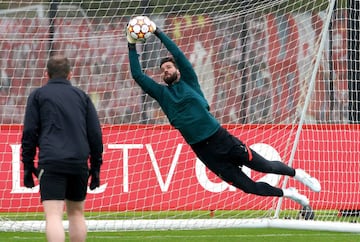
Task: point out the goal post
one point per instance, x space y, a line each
277 74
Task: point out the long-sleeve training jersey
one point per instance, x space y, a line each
62 122
183 102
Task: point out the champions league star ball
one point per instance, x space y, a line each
140 28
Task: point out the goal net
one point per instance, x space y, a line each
280 75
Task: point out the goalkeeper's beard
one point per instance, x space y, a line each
171 79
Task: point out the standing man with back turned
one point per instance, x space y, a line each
61 121
184 104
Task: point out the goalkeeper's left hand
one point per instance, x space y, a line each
29 170
94 173
95 178
153 26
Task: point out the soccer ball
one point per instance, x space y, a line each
140 28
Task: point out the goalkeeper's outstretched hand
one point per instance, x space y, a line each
152 29
130 39
153 25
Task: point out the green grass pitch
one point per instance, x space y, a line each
221 235
208 235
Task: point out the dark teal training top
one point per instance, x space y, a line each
183 102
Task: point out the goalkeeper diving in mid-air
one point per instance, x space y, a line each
184 104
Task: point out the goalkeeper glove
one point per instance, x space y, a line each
130 39
154 30
95 178
94 173
29 170
153 25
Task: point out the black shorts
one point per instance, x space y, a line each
61 186
223 154
222 147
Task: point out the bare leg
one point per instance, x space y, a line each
54 214
77 225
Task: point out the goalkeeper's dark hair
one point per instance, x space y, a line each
168 59
58 66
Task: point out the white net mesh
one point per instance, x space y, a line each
274 72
